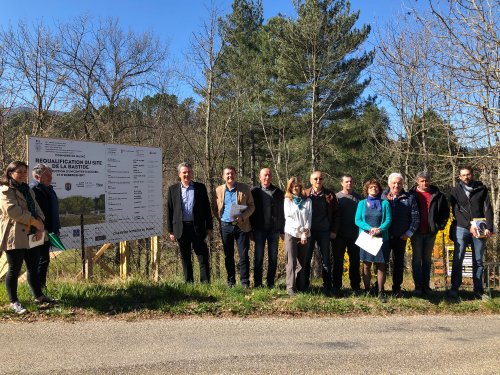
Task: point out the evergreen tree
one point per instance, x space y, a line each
320 60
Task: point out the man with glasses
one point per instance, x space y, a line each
469 201
324 207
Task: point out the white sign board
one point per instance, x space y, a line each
118 188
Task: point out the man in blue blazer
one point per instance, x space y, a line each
189 221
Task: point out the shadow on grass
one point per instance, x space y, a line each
135 296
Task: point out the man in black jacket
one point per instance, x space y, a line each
469 201
47 200
434 214
189 220
268 222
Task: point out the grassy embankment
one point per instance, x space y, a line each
138 299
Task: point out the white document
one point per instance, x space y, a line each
236 210
368 243
35 243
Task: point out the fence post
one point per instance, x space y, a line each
89 263
155 256
82 243
123 260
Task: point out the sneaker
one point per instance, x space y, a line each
18 308
381 297
291 292
44 299
482 296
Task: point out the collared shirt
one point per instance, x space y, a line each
229 200
405 213
187 201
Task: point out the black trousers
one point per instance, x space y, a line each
43 263
15 260
189 240
339 247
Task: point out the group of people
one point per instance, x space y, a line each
302 218
316 216
27 213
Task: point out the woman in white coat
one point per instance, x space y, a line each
298 211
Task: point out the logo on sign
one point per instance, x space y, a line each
67 186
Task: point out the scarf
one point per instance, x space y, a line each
467 189
374 202
298 201
25 190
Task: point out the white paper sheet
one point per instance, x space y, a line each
236 210
368 243
35 243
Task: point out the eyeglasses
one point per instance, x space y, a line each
318 178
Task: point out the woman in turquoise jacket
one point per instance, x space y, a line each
374 217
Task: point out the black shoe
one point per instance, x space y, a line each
418 292
328 292
396 292
357 292
381 297
453 295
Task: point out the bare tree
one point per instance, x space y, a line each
467 38
82 47
126 63
32 52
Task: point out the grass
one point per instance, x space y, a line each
138 299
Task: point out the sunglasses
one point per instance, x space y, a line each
318 178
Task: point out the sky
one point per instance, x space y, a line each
173 21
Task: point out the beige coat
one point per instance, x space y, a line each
15 218
243 196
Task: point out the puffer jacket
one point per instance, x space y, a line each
15 218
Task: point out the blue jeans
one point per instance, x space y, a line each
421 261
230 233
478 245
323 240
272 239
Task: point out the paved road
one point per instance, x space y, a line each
395 344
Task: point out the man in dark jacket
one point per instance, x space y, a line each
469 201
324 209
189 220
346 233
268 222
47 200
434 213
405 221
